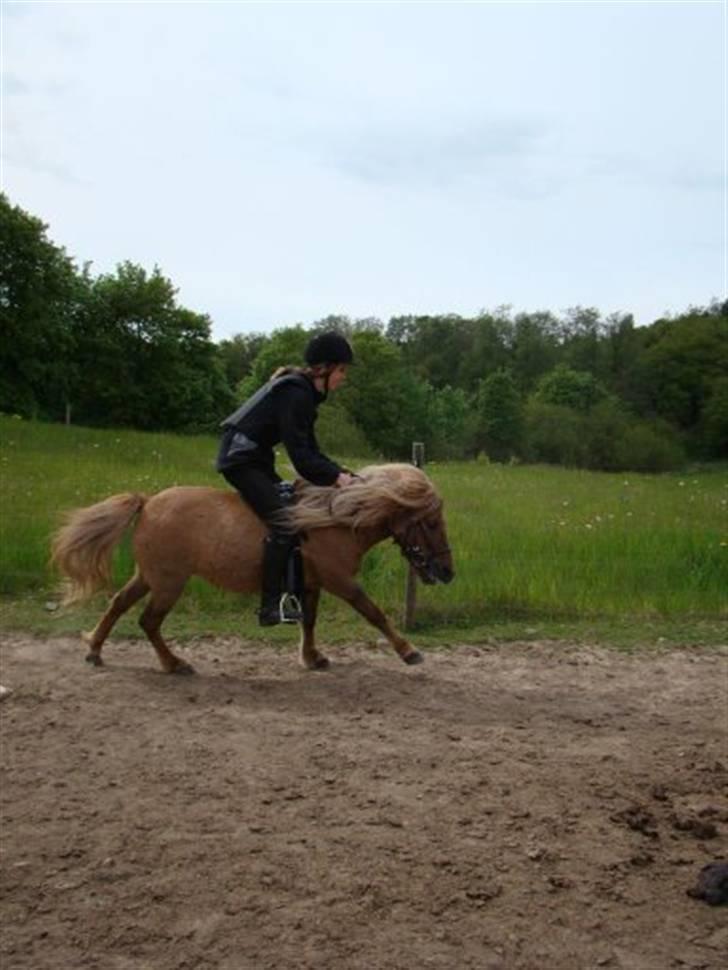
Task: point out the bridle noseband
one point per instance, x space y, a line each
413 551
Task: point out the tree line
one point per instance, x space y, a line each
577 389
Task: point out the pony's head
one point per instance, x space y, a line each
400 498
414 518
422 537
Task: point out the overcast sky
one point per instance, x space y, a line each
284 161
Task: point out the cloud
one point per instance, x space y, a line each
13 85
684 175
700 181
435 156
31 161
16 8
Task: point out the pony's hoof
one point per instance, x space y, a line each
321 663
183 669
94 659
413 657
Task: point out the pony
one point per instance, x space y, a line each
207 532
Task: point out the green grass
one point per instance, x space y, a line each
539 551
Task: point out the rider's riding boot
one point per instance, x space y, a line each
277 605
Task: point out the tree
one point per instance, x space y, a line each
340 323
40 290
237 355
582 332
534 348
488 350
433 347
451 423
622 356
284 347
386 400
500 413
145 361
682 359
569 388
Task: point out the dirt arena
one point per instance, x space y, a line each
515 807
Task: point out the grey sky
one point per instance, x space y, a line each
282 161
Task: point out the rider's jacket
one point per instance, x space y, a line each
281 411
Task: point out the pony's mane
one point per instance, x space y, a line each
379 491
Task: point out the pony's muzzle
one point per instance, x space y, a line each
436 572
445 574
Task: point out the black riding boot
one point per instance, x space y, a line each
279 603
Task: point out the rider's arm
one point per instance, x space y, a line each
297 414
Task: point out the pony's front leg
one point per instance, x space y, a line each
371 612
310 657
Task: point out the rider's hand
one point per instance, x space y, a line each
344 479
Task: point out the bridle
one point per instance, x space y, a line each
412 550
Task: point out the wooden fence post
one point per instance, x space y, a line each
410 595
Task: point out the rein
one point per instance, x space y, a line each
414 553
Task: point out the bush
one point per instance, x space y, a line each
577 390
714 424
649 448
603 429
554 435
604 440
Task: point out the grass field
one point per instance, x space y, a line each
539 551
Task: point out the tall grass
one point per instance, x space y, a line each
529 542
544 541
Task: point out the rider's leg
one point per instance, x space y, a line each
260 491
279 604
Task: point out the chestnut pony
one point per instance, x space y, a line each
207 532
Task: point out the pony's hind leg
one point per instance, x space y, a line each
126 597
151 621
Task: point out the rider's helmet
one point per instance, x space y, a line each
328 348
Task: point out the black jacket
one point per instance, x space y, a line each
283 410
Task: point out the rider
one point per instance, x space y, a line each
283 410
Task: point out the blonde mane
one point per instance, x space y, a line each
379 491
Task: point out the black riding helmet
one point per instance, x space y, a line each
329 348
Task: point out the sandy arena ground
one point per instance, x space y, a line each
515 807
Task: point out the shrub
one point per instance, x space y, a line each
569 388
603 428
649 448
553 434
714 425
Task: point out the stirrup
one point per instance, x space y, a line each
290 608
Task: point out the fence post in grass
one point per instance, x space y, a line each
410 595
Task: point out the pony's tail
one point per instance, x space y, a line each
81 549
